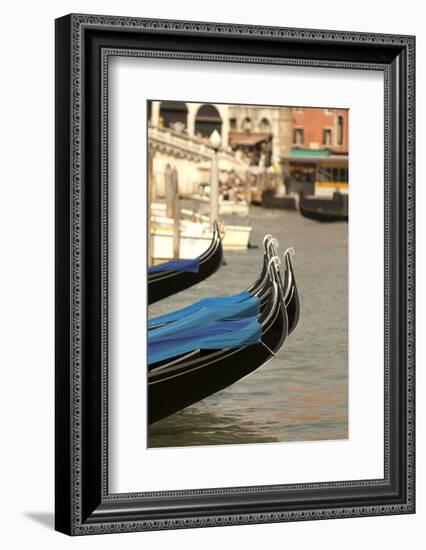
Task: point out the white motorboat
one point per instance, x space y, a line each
195 234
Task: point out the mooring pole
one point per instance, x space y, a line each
215 141
150 184
176 214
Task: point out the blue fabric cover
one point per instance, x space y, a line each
217 335
192 266
206 302
206 316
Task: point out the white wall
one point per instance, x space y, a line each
26 300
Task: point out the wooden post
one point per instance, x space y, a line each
176 214
168 190
150 185
263 181
247 185
215 141
214 188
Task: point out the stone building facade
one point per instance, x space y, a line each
321 128
261 122
251 135
198 120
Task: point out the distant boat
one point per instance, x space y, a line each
324 210
183 380
226 206
195 234
171 277
270 199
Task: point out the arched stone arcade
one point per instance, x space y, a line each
207 120
173 114
195 118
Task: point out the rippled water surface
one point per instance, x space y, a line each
302 393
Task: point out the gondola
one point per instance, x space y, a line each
323 210
291 297
165 282
288 281
177 384
259 288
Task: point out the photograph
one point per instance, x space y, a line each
247 273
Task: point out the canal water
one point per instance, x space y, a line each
302 394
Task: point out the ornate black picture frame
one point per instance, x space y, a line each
83 45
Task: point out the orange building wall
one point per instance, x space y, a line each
314 120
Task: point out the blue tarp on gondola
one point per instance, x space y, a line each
207 315
197 306
191 266
217 335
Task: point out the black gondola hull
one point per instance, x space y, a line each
324 210
174 282
173 391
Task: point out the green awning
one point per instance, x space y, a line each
302 153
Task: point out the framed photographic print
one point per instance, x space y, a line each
234 274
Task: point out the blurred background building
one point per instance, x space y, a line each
291 141
320 129
218 159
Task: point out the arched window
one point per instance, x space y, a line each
327 137
298 137
173 112
207 120
340 133
246 124
265 126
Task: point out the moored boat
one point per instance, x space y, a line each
171 277
324 210
270 199
187 378
195 232
259 288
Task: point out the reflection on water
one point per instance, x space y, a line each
302 393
